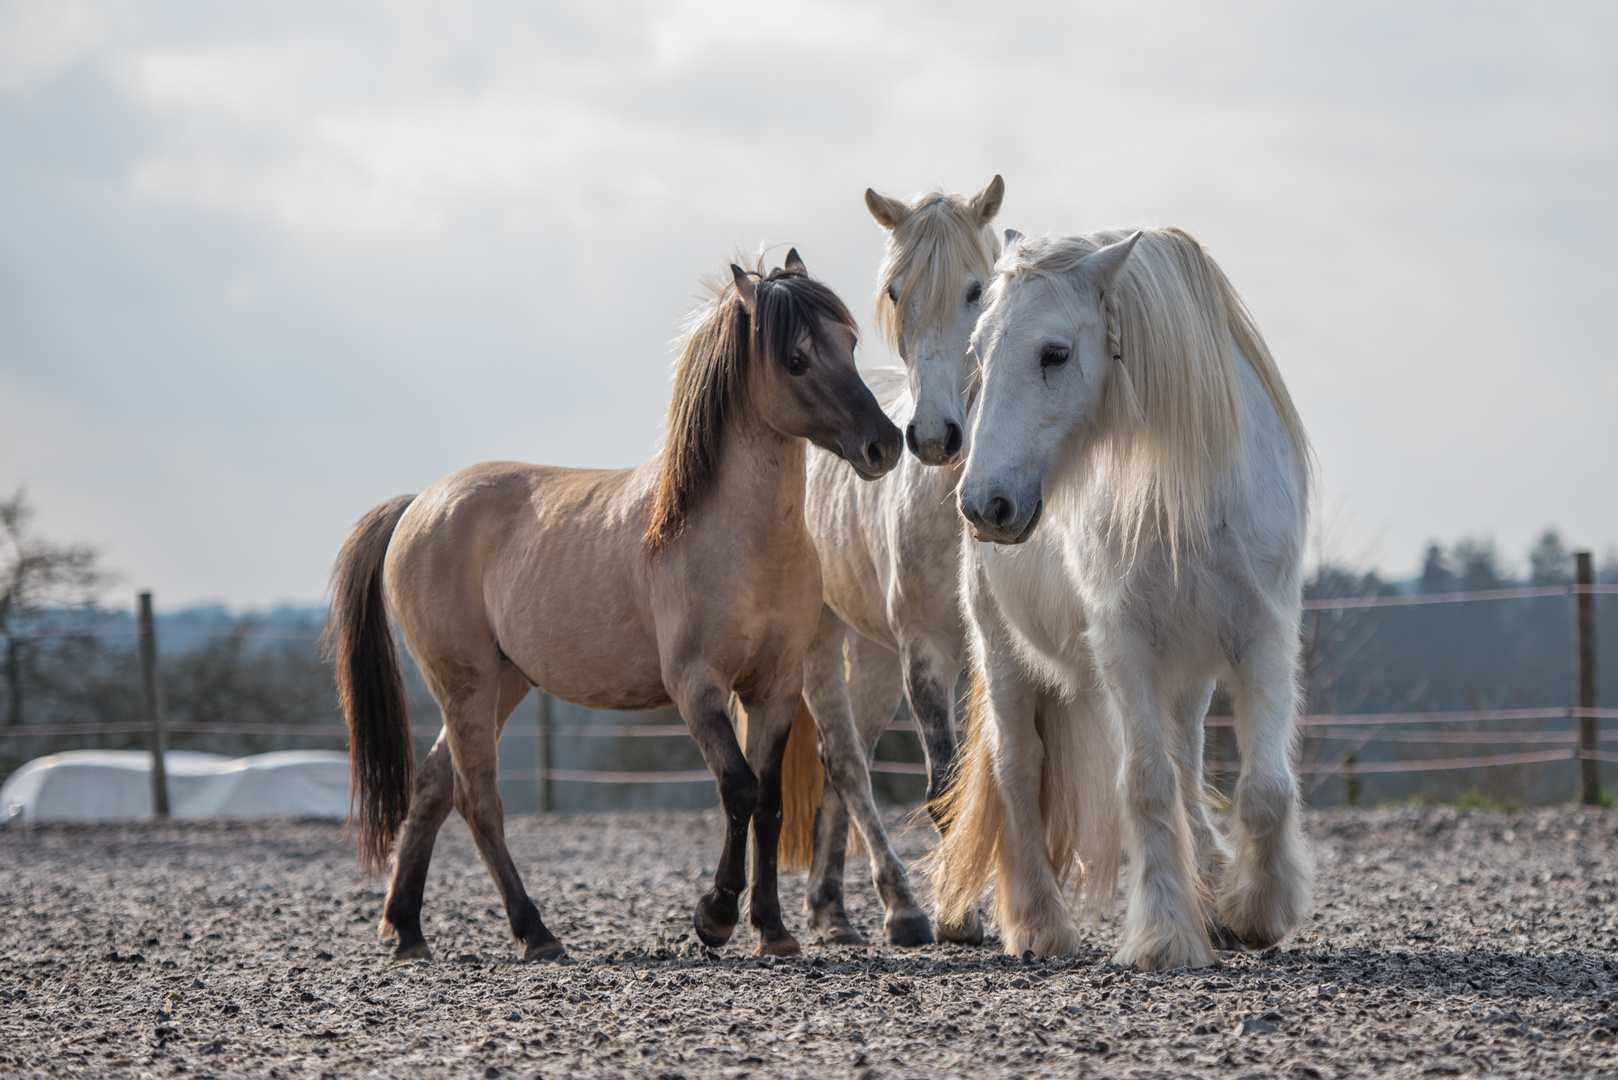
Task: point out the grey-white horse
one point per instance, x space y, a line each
890 559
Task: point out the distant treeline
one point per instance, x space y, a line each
1498 654
217 667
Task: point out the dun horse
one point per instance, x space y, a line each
1137 484
890 559
684 580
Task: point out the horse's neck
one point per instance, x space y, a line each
761 478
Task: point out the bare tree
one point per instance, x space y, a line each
37 576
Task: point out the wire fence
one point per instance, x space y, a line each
1360 729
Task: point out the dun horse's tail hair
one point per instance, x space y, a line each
359 642
803 778
1078 806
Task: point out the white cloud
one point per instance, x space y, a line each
418 235
38 38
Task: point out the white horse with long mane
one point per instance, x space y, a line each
891 626
1136 483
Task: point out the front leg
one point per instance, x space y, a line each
1029 903
850 720
702 703
1163 925
768 724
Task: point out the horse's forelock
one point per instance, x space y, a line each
933 248
791 306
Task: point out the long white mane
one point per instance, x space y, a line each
937 244
891 386
1169 430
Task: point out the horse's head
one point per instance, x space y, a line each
1043 344
939 256
804 383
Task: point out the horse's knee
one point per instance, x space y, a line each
848 774
1152 792
739 793
1264 802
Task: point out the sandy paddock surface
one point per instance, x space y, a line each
1443 944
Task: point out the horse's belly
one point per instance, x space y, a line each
858 596
621 674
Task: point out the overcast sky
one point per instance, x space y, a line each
263 265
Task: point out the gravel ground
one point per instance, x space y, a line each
1442 944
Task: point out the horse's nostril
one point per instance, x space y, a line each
910 439
874 455
952 439
999 511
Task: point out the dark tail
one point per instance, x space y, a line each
359 642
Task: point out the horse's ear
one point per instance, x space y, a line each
745 288
1101 267
794 264
889 212
986 203
1012 236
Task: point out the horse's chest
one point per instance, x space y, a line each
1037 599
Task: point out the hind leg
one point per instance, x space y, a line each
472 722
1267 890
430 802
1213 853
823 900
930 674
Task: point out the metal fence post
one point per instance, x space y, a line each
151 701
544 747
1584 636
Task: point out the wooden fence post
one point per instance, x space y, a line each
546 805
151 702
1584 636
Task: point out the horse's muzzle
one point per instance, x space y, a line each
996 520
942 450
876 457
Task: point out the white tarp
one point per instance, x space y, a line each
113 785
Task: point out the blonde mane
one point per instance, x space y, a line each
936 245
1169 430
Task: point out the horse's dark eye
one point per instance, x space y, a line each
974 294
1053 356
797 364
893 293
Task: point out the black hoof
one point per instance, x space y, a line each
714 927
782 944
1224 939
546 952
910 931
415 950
841 934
